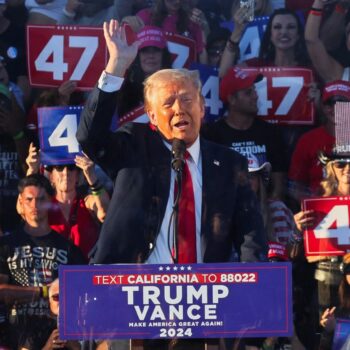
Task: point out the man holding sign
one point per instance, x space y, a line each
242 130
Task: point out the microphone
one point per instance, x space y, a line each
178 152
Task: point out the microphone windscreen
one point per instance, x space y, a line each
178 153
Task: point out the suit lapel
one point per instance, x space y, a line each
160 160
209 169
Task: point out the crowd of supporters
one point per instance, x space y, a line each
287 163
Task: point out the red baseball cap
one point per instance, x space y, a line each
151 36
234 80
336 88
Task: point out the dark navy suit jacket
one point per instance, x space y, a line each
139 163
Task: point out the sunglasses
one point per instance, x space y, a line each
55 297
340 164
60 168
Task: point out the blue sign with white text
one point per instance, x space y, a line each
214 107
141 301
57 129
249 45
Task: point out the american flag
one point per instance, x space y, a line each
33 277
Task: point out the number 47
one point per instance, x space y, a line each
57 66
295 85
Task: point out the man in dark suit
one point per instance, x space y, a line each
138 157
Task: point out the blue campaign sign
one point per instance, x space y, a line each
141 301
210 90
57 129
341 340
249 44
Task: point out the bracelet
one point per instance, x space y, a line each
97 192
95 184
96 189
232 46
18 136
340 9
315 13
44 292
316 9
233 43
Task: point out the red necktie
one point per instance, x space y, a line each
186 219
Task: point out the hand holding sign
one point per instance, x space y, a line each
329 235
304 219
33 160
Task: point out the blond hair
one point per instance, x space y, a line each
330 183
166 76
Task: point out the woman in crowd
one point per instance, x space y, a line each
328 319
74 215
336 183
282 45
326 66
177 17
152 56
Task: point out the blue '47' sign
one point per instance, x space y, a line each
57 129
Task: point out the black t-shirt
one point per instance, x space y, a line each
34 261
261 138
12 48
10 173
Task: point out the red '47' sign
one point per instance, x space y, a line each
182 49
283 95
58 54
330 234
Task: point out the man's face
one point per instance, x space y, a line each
245 101
34 203
177 110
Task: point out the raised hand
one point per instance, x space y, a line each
33 160
328 319
121 54
65 90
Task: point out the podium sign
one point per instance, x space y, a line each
175 301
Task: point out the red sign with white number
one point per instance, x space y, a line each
136 115
330 233
283 95
59 53
182 50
